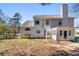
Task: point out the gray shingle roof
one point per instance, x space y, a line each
49 16
27 24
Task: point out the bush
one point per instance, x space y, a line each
25 37
76 37
75 40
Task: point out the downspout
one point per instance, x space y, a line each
45 35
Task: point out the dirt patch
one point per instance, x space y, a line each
38 48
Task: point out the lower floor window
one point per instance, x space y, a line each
60 32
69 32
38 31
27 29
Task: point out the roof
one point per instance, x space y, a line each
27 24
50 16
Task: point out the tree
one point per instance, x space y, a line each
4 28
15 23
2 23
75 9
17 18
2 16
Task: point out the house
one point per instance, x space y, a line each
26 28
57 27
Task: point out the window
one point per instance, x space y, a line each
27 29
59 23
47 22
38 31
60 32
37 22
69 33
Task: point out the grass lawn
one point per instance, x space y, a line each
37 47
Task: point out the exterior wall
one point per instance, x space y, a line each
48 34
71 22
54 33
37 27
41 23
27 24
47 28
71 37
54 23
34 33
57 36
23 32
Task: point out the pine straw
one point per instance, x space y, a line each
41 47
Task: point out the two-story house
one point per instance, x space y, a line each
57 27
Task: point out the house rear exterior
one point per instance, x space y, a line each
57 27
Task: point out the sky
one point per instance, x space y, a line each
28 10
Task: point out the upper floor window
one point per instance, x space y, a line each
60 22
36 22
47 22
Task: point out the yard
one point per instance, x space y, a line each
37 47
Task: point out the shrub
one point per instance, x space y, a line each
76 39
24 37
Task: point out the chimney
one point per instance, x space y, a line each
64 15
